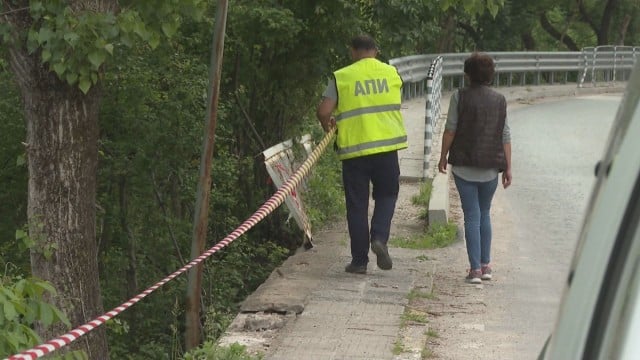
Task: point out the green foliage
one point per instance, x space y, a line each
22 303
211 351
424 195
76 42
324 198
13 172
474 7
152 59
436 236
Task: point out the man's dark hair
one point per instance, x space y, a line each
480 68
363 42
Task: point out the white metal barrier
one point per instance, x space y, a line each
432 108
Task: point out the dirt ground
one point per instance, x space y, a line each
456 311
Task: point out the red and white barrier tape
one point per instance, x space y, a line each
269 206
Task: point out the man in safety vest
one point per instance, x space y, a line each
363 101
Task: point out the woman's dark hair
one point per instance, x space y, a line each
480 68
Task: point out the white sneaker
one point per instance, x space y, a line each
486 272
474 277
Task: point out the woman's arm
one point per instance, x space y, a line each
449 132
447 140
506 174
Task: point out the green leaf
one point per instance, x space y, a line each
45 286
9 311
46 314
32 41
84 84
32 312
126 40
72 78
59 315
154 41
96 58
71 38
169 28
46 55
36 6
20 234
44 35
79 355
13 339
141 30
59 68
21 160
109 48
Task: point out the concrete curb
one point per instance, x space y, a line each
439 203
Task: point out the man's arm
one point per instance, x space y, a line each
324 111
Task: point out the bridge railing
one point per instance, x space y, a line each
593 65
434 73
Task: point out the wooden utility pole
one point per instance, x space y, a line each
193 334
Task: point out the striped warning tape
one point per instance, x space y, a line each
268 207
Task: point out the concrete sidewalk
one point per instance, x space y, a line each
309 308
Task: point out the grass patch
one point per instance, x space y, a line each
413 316
423 198
424 195
398 347
432 333
426 353
436 236
417 294
423 258
211 351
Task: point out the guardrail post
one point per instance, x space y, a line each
428 128
432 109
537 70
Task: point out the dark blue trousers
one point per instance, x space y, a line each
383 172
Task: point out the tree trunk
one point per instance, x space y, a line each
605 24
623 29
445 42
528 41
62 135
551 30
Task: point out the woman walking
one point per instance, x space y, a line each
477 143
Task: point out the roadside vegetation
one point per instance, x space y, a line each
435 235
144 72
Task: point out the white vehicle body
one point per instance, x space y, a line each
599 316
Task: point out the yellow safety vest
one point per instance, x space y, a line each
368 114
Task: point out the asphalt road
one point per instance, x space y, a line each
556 145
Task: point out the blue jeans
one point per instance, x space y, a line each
476 205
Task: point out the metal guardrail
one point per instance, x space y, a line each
596 64
609 62
432 108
